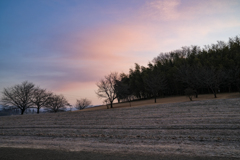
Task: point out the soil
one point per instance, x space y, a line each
46 154
204 129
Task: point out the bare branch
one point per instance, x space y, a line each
56 103
106 87
19 96
40 97
82 103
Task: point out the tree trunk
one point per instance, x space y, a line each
38 110
196 94
215 95
155 97
238 86
22 111
214 92
129 102
111 104
190 98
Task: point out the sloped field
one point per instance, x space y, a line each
202 128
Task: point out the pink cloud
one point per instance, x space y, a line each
177 10
112 42
162 9
78 90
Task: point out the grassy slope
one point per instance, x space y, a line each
166 100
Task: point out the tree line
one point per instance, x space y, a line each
27 95
190 70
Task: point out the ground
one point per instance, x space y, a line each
205 128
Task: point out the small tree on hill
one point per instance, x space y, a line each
18 96
82 103
40 97
56 103
106 87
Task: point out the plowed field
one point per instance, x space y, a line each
199 128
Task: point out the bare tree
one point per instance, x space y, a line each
56 103
106 87
40 97
18 96
82 103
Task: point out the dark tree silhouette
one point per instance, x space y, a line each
19 96
233 77
213 78
154 83
123 91
190 75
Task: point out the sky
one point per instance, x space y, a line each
67 46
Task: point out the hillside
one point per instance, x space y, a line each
165 100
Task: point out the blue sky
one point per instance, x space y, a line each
67 46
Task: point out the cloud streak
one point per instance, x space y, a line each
117 46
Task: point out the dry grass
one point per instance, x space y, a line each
207 127
166 100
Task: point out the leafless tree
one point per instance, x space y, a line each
18 96
106 87
155 82
56 103
82 103
40 97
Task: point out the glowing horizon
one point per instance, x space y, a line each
68 46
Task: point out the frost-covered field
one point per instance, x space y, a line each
202 128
